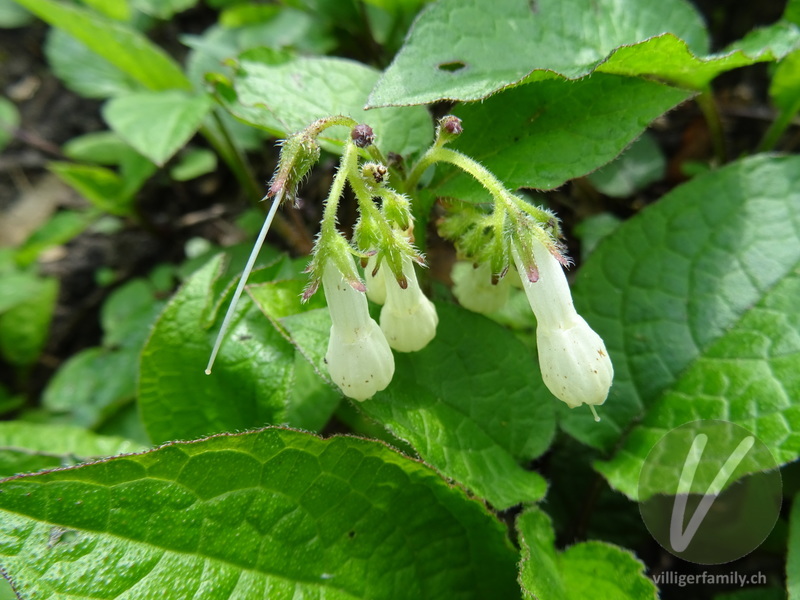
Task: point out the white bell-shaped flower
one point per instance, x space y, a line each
474 289
376 284
408 318
574 362
359 359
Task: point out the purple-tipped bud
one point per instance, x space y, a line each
452 125
362 135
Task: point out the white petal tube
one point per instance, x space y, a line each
359 359
376 285
408 318
474 289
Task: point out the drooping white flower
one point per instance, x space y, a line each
474 289
359 359
376 284
408 318
574 362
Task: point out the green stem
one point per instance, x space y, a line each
777 129
708 106
364 197
328 226
504 199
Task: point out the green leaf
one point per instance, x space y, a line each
592 569
128 313
27 447
274 513
594 229
252 376
122 46
113 9
92 385
82 70
640 165
16 288
470 403
102 187
284 98
313 400
543 134
100 147
196 162
791 13
695 299
784 89
9 121
12 15
157 124
468 50
287 29
163 9
25 327
95 384
59 229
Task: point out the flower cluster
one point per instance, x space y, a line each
359 356
512 242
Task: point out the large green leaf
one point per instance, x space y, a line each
84 71
543 134
120 45
269 514
157 124
467 50
695 298
286 97
470 403
251 380
594 570
28 447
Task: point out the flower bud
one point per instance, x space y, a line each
359 359
374 174
299 153
362 135
449 128
474 289
408 318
